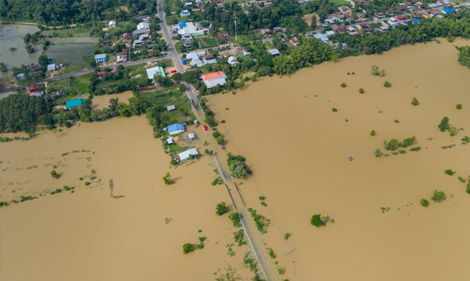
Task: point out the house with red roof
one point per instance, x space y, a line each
35 91
214 78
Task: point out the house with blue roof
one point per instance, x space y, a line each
100 58
448 10
74 103
175 129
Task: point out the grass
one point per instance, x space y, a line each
207 41
338 2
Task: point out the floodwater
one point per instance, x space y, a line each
87 235
11 35
308 159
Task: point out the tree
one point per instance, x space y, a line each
387 84
444 124
221 209
424 202
392 144
318 220
414 101
361 91
235 218
188 248
55 175
167 179
438 196
378 152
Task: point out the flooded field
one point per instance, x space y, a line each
102 101
308 141
87 234
11 36
71 50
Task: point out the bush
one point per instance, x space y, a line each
392 144
418 148
343 85
235 218
372 133
424 202
361 91
378 152
387 84
408 141
462 180
414 101
458 106
167 179
334 109
438 196
449 172
396 121
221 209
55 175
287 235
376 72
188 248
444 124
237 166
318 220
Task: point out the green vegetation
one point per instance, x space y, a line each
458 106
372 133
438 196
444 124
377 72
449 172
271 253
361 91
55 175
167 179
207 112
3 67
235 218
201 242
281 270
318 220
287 235
424 202
396 121
465 140
188 248
239 237
334 109
378 152
343 85
261 221
217 181
219 138
418 148
394 144
237 166
414 101
462 180
464 56
22 113
221 209
387 84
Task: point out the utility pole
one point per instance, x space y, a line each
235 16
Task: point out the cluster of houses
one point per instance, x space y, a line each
176 129
36 91
188 30
157 70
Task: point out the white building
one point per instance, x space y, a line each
232 60
112 24
52 67
214 78
151 72
274 52
185 13
190 28
143 25
187 154
170 107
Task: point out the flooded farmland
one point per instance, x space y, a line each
308 141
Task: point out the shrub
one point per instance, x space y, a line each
378 152
396 121
221 209
465 140
334 109
414 101
287 235
444 124
318 220
188 248
361 91
418 148
376 72
271 253
55 175
261 221
167 179
449 172
458 106
343 85
408 142
372 133
424 202
239 237
235 218
387 84
392 144
453 131
438 196
462 180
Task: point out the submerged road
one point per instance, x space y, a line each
254 237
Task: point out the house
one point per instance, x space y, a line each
175 129
222 36
265 31
341 29
190 28
52 67
100 58
112 24
279 30
20 76
143 25
295 41
274 52
170 141
137 33
186 36
214 78
322 37
188 4
35 91
448 11
151 72
185 13
56 94
393 21
125 36
170 108
74 103
209 59
351 30
185 155
121 58
137 43
191 136
232 60
343 10
330 33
